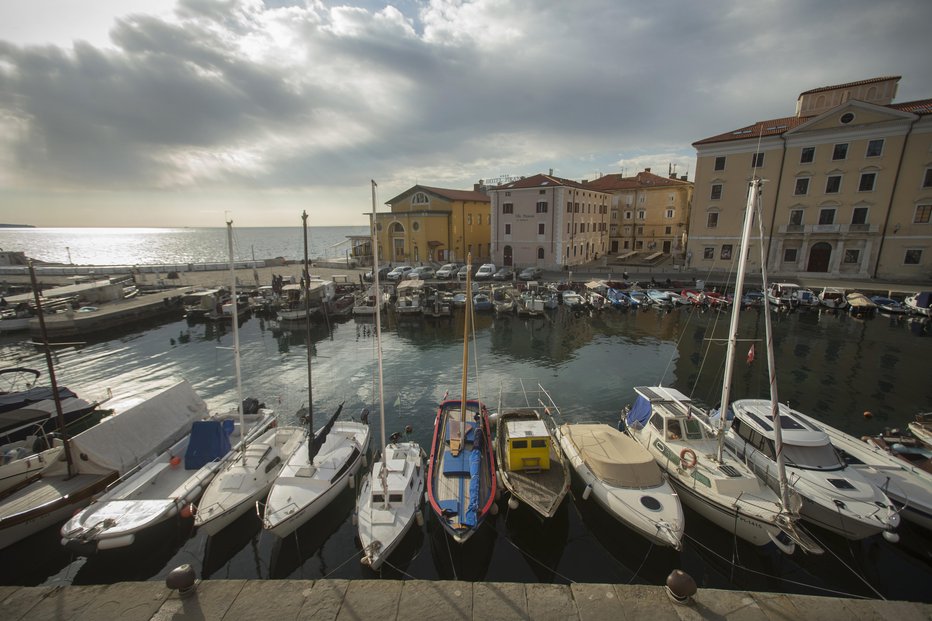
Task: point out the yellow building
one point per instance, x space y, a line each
437 225
847 187
649 213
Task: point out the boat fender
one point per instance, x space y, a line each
355 519
587 492
891 536
352 482
513 503
419 516
688 458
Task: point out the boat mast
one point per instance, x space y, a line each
774 401
735 313
383 473
306 284
455 449
239 377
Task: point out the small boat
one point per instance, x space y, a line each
859 304
694 297
503 300
571 299
22 460
660 298
783 294
482 302
638 296
833 297
531 304
410 297
367 304
920 303
717 300
922 428
806 298
753 299
889 305
437 304
531 465
617 298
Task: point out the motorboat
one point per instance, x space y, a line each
783 295
22 460
437 304
531 465
920 303
409 297
860 304
659 297
625 481
693 296
481 301
503 300
889 305
921 427
617 298
806 298
571 299
531 304
367 304
834 495
833 297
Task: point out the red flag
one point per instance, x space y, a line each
751 354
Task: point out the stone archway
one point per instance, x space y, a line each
507 256
396 236
819 256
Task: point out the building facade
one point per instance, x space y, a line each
847 187
428 224
649 213
548 222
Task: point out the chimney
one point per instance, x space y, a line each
683 178
647 170
477 187
551 172
673 175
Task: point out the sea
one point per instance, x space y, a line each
861 375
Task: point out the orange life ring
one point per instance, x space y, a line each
688 458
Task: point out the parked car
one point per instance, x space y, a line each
485 271
423 272
505 273
531 273
399 272
383 272
461 273
448 271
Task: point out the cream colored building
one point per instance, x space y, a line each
438 225
649 213
847 187
548 222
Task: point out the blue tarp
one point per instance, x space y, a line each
209 442
451 506
639 413
472 511
924 299
454 465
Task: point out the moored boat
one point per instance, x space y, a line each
833 297
860 304
920 303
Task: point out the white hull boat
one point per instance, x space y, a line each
20 461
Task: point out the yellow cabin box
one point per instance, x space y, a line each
528 445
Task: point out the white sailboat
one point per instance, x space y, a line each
390 497
245 479
320 465
685 443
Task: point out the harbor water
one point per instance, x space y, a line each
830 365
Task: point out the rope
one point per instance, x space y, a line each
446 538
400 570
332 571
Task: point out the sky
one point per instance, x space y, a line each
193 112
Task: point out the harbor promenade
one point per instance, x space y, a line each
389 600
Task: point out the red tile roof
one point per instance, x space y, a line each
541 181
850 84
643 179
453 195
922 106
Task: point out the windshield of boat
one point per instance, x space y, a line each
822 457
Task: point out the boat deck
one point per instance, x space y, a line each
48 492
453 475
543 489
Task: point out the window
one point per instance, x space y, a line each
796 216
542 207
469 218
720 162
641 214
540 228
479 218
507 193
541 191
712 221
508 208
789 255
640 230
923 213
852 256
807 155
519 444
540 253
671 213
575 207
913 256
627 215
507 229
708 253
569 207
833 184
668 230
641 199
840 151
638 245
538 444
726 252
802 186
758 160
827 216
866 184
716 191
874 148
927 179
859 215
420 198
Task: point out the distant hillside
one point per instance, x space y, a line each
16 226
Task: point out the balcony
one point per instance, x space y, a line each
828 229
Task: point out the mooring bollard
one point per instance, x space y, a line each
183 579
680 587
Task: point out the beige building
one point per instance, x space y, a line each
649 213
847 187
548 222
437 225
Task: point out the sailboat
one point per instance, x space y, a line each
244 479
689 447
461 473
390 496
319 466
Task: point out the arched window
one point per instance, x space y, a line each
540 253
420 198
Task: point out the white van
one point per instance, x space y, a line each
485 272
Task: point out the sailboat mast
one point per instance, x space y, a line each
466 340
771 366
239 377
306 281
378 320
735 313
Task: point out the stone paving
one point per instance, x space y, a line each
387 600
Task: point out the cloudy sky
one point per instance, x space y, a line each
186 112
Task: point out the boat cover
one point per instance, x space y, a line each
21 398
209 442
120 442
639 413
924 299
613 457
472 510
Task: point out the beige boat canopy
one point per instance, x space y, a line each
614 457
